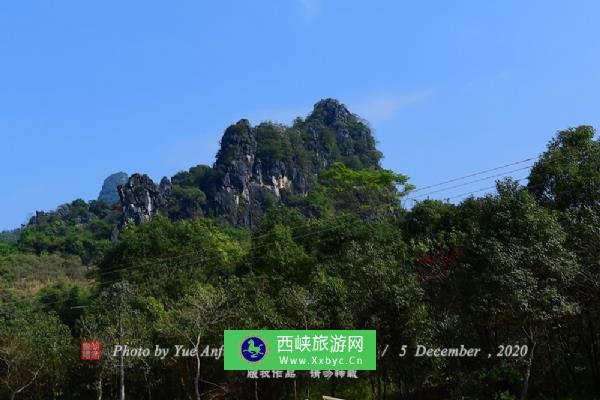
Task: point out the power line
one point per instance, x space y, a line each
560 157
258 237
480 190
469 183
474 174
254 247
141 266
310 233
172 258
156 262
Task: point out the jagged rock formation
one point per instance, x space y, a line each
338 135
247 180
109 193
256 167
142 199
266 163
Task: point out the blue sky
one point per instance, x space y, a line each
450 88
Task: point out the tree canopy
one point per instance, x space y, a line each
516 270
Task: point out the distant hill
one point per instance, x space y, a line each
109 193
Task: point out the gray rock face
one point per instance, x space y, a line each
353 140
141 199
256 168
246 181
109 193
246 184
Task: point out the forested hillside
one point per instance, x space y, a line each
299 227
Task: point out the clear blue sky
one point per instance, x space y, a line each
450 87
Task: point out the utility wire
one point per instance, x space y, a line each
474 174
254 247
156 262
196 262
208 259
480 190
469 183
172 258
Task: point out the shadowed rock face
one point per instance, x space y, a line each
245 176
244 181
352 137
142 199
257 167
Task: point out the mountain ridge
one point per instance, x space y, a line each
256 167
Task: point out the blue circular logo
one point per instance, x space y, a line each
253 349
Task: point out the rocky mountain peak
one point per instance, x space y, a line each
339 135
256 167
237 142
141 199
331 112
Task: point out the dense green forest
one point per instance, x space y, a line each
518 267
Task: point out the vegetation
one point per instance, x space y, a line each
79 228
520 267
568 174
273 143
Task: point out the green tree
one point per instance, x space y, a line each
198 176
186 203
115 318
66 300
35 350
364 281
7 248
202 313
568 173
279 257
364 192
272 143
583 232
516 270
186 250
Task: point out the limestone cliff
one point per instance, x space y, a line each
255 168
141 199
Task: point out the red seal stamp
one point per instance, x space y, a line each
90 350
